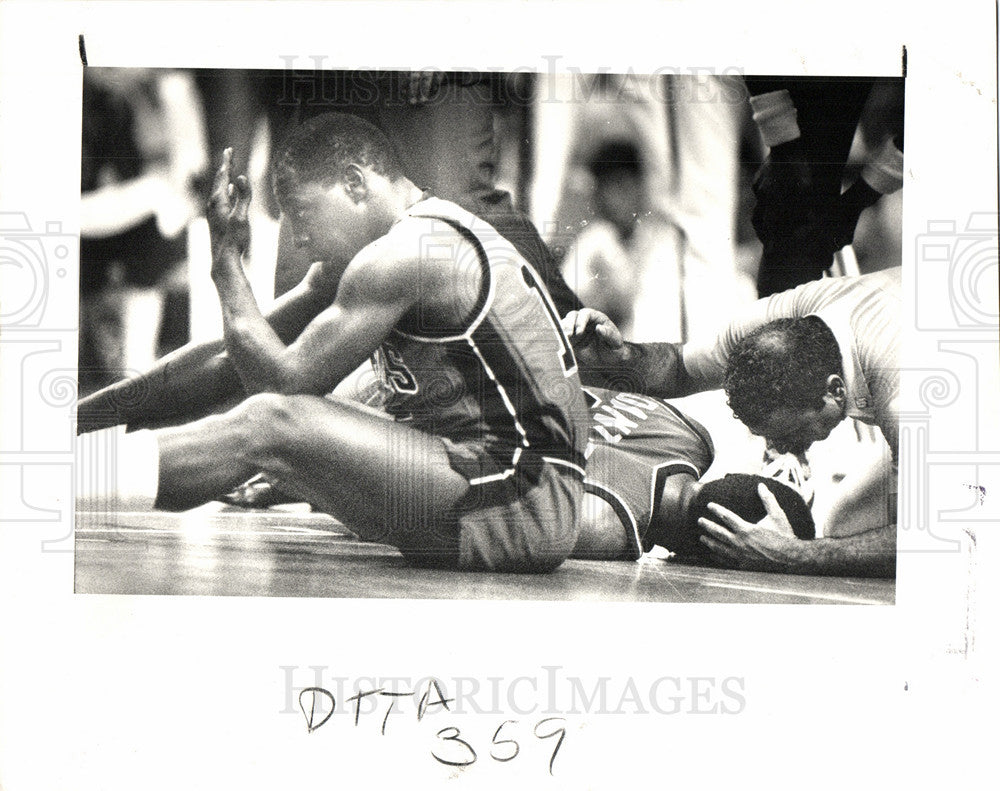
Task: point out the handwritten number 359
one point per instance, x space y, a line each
465 755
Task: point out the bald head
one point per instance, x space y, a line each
785 364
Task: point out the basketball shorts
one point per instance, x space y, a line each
526 521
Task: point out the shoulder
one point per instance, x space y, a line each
885 284
876 310
419 238
386 267
888 280
413 255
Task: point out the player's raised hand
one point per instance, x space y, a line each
596 340
228 206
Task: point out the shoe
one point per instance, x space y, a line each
258 493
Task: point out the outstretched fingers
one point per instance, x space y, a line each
610 334
220 201
770 502
243 196
728 520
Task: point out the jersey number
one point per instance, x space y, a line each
394 371
566 356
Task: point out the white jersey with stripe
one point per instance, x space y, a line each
507 381
864 313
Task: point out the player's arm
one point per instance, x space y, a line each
372 295
746 546
198 378
672 370
606 359
869 554
376 290
770 545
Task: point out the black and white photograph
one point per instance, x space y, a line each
377 333
413 393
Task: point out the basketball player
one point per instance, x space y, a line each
794 366
482 466
644 461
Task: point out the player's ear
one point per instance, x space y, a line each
836 387
355 183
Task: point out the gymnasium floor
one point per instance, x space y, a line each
220 551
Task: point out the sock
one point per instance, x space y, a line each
776 117
884 172
116 471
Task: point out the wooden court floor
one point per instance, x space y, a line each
219 551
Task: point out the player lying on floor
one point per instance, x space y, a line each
644 462
793 367
482 468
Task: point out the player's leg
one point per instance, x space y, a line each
605 533
384 480
197 379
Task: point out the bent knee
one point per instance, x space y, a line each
266 409
268 420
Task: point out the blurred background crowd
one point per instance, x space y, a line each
654 195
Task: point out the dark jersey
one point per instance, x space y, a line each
502 391
636 442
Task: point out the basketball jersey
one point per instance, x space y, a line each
502 391
637 441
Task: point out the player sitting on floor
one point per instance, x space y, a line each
644 460
482 466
